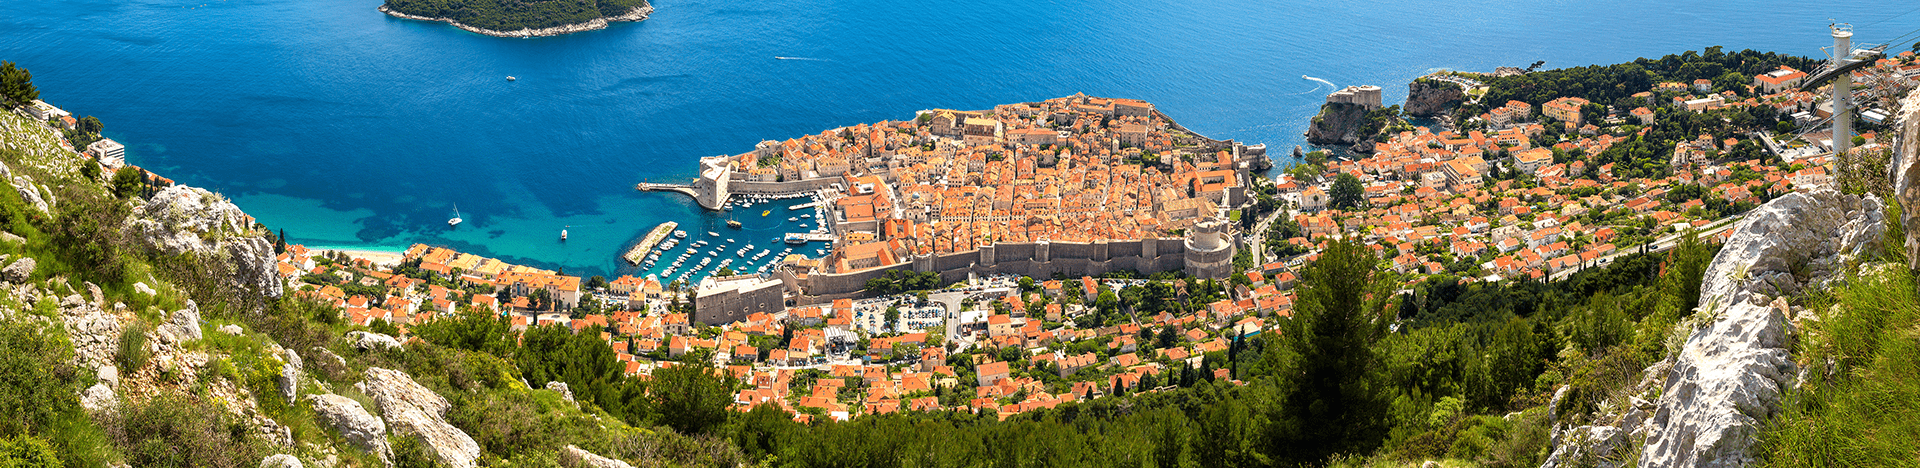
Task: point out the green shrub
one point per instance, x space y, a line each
27 452
410 452
174 430
37 385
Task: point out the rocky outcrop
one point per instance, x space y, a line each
355 424
230 329
638 14
183 326
94 333
1588 446
182 220
99 398
26 188
19 271
1728 378
561 387
1430 97
414 410
290 372
1338 123
1906 172
579 458
367 341
281 461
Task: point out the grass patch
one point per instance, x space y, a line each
1860 405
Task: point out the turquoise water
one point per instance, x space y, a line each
346 127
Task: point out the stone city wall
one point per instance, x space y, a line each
1067 258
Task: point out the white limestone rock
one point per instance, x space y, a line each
1729 376
19 270
1906 172
142 288
291 370
183 326
182 219
99 398
355 424
328 356
108 375
366 341
281 461
414 410
579 458
561 387
94 333
1589 446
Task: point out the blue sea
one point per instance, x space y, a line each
349 128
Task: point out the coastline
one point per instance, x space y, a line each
638 14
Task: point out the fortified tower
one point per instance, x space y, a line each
715 172
1209 254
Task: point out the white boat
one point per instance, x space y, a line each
511 78
563 234
680 234
806 216
714 234
456 216
792 219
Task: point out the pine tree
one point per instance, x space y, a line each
1330 391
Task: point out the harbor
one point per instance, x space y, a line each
748 234
654 238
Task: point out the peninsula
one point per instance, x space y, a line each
522 19
1076 185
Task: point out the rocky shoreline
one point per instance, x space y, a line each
638 14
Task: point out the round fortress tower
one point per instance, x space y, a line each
1209 254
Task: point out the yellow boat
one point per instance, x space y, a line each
765 213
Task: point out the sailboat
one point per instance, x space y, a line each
456 216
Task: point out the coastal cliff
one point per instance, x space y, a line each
1339 123
1427 98
465 19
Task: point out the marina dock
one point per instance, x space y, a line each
660 233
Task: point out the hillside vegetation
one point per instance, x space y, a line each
513 15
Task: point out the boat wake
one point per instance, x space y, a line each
810 59
1325 82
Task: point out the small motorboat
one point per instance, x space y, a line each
792 219
511 78
733 224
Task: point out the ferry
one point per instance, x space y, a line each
733 224
796 239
